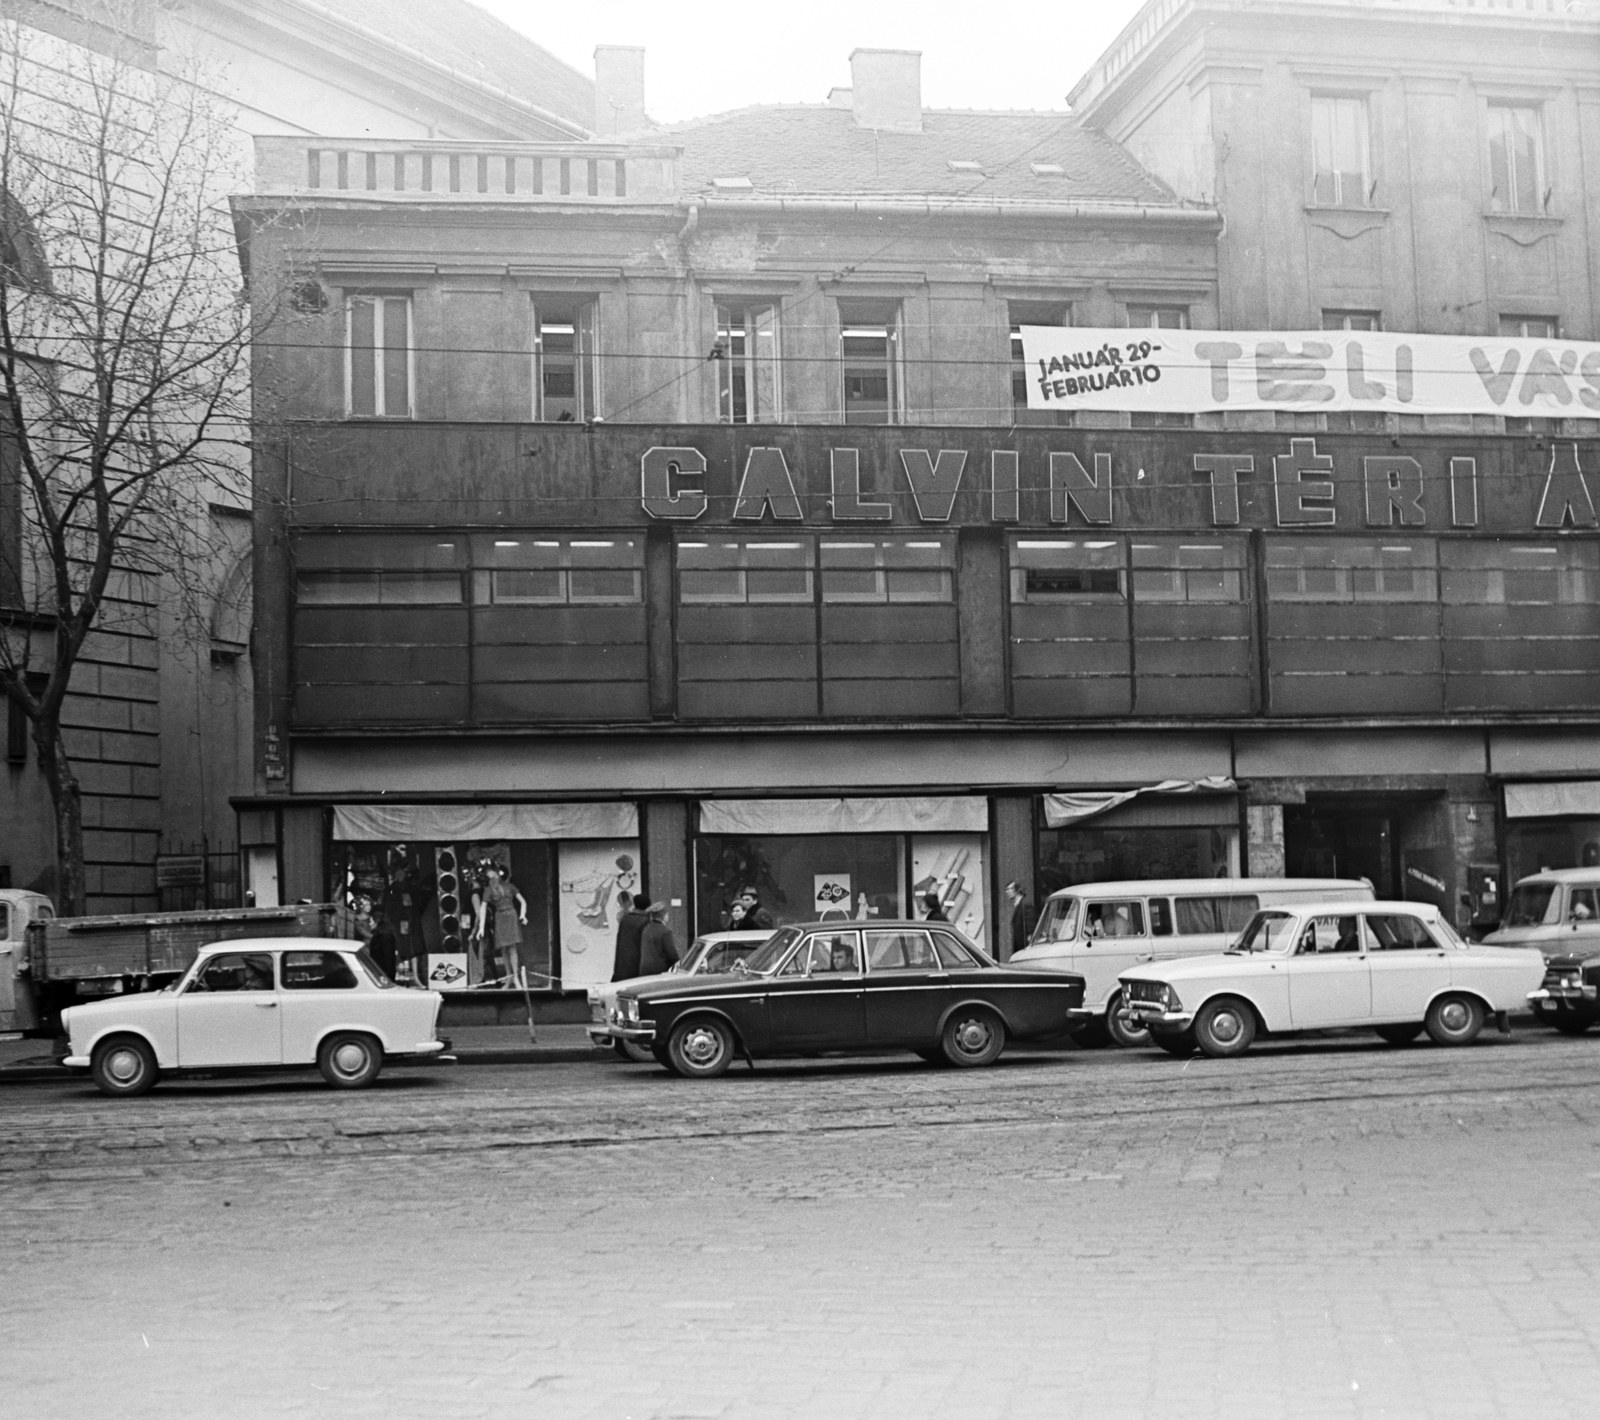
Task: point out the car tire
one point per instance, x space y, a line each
972 1036
349 1060
1175 1042
1400 1035
700 1048
1121 1030
1224 1027
1455 1020
124 1066
1569 1024
633 1052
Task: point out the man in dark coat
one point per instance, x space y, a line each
630 929
657 949
1022 916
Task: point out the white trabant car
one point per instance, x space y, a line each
709 955
260 1002
1398 967
1100 930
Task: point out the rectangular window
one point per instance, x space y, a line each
892 569
1351 570
1198 916
565 370
1521 573
1062 570
1352 320
377 357
1340 155
1516 159
18 726
1021 313
1172 570
747 364
750 571
1530 327
1158 317
352 570
537 570
869 354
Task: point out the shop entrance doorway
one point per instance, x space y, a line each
1376 837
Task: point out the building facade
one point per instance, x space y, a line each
666 512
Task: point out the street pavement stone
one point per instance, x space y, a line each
1330 1228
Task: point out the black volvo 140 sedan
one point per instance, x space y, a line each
840 986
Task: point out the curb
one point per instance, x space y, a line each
31 1073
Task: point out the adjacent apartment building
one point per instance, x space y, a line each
664 512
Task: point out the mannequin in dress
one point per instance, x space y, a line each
510 916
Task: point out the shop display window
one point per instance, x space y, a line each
1533 845
888 569
1070 856
1353 570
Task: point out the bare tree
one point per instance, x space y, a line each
124 337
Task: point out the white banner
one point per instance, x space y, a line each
470 823
1304 371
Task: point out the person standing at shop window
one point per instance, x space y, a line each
748 915
657 949
935 909
630 928
1022 916
510 910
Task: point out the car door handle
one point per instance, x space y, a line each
266 1005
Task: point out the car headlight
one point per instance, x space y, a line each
1169 999
630 1008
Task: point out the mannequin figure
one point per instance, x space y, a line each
510 916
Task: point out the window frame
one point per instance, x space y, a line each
868 316
1146 315
1338 318
1542 186
585 356
1059 316
1552 326
380 301
883 593
1330 101
751 359
744 541
1020 594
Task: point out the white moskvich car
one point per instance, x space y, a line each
1398 967
262 1002
709 955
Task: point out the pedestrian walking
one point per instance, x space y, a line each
657 949
935 910
630 928
1022 916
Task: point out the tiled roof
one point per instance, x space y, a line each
473 42
793 150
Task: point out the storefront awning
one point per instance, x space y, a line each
1578 798
967 814
453 823
1067 810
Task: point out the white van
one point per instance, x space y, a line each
1099 930
1556 910
18 908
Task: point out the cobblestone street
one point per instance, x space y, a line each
1333 1228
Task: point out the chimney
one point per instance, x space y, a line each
618 90
887 89
840 98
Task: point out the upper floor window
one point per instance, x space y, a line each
745 570
515 569
379 569
565 384
747 364
1352 570
888 569
1021 313
1516 159
1175 570
1531 327
1341 167
1480 573
869 352
1352 320
378 357
1065 570
1159 317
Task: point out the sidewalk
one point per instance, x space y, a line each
32 1060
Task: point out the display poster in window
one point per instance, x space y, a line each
447 971
592 875
951 866
830 894
1308 372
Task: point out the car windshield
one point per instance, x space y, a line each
766 957
1530 905
691 958
1058 922
1266 932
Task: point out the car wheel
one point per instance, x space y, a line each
1455 1020
1400 1035
1121 1028
349 1061
124 1066
1224 1027
633 1052
700 1048
972 1036
1571 1024
1175 1042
